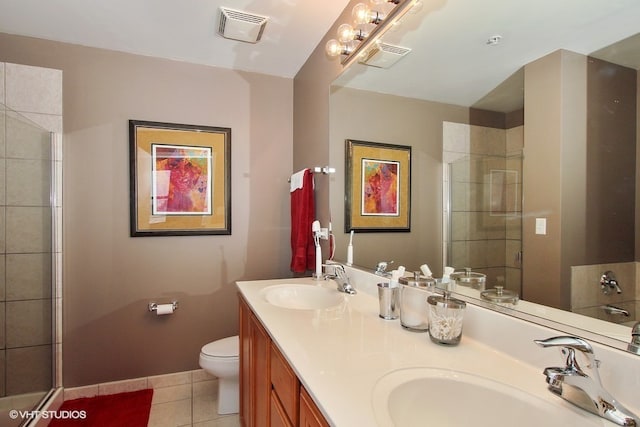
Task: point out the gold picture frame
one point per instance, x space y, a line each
180 179
377 187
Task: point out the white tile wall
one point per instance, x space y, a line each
33 89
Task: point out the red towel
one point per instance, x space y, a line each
303 211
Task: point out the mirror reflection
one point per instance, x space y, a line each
523 128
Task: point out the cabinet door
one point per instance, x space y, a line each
285 384
310 415
255 378
260 355
279 417
245 364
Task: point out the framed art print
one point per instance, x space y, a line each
180 179
377 187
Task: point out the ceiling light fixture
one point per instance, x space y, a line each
353 40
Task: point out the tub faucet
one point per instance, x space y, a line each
341 278
612 309
586 392
608 282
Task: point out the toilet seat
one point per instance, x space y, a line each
224 348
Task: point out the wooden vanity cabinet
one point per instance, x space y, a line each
255 384
310 415
270 391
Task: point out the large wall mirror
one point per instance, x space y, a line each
523 124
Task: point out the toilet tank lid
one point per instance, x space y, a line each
225 347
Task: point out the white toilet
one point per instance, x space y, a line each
221 358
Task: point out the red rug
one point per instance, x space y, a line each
129 409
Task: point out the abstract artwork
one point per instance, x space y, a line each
377 187
181 180
380 190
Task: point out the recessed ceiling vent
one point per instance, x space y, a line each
243 26
384 55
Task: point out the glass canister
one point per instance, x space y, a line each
501 296
446 316
469 279
414 309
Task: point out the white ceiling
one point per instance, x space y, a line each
184 30
450 61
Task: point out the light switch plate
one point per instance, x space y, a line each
541 226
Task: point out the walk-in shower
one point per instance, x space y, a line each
483 202
28 257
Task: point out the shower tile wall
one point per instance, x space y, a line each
484 169
26 159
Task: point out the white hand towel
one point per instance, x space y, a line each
297 180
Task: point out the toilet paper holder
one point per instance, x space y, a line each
153 306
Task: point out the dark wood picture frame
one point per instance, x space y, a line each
377 187
180 179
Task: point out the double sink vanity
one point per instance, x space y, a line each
313 356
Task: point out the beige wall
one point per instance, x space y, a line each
311 116
637 192
109 277
555 115
374 117
611 162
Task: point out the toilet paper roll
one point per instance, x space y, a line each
163 309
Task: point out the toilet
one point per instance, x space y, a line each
221 359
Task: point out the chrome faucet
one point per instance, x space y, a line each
341 278
381 268
634 345
586 392
608 282
612 309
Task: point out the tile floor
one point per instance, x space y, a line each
185 399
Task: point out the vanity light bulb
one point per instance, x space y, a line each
361 14
334 48
346 33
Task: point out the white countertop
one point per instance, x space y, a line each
339 354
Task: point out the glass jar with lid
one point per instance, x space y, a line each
446 316
414 309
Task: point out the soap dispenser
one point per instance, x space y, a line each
414 309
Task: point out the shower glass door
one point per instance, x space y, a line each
483 202
26 263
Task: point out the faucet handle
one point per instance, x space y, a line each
381 267
567 342
331 270
572 344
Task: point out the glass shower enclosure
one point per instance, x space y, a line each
482 199
27 263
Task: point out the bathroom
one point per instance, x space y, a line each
109 277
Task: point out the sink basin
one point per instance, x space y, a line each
302 297
441 397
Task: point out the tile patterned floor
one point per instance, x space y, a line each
185 399
189 405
